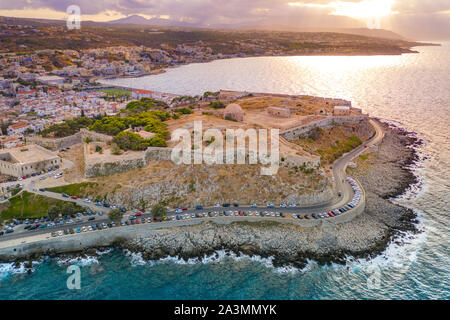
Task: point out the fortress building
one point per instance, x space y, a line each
22 161
234 111
282 112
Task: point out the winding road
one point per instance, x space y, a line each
343 193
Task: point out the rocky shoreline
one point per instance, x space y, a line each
384 174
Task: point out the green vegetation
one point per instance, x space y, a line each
333 152
158 211
364 156
184 110
132 141
115 215
138 115
184 99
115 150
209 93
117 93
77 189
217 105
145 104
67 128
30 205
68 208
15 191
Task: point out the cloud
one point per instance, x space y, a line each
300 13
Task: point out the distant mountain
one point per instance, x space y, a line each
134 19
378 33
137 19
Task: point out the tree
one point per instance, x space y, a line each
53 212
158 211
70 208
115 215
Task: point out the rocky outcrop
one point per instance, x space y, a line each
383 174
190 185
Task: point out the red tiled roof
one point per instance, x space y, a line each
142 91
27 92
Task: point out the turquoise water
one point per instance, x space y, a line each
410 90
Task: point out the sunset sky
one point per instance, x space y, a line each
421 19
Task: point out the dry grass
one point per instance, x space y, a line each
76 155
323 140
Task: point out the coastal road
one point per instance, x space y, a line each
340 165
342 187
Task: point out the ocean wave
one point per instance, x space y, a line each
10 268
218 256
79 261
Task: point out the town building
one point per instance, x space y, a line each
165 97
51 80
27 160
18 128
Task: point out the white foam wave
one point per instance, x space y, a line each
216 257
8 269
79 261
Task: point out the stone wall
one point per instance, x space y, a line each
326 123
123 163
157 154
95 136
80 242
55 143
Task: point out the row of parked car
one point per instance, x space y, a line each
93 227
133 220
13 179
227 205
357 192
32 224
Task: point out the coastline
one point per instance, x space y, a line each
312 54
290 245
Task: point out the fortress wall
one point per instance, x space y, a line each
326 123
95 136
96 168
55 143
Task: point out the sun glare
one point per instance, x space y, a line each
363 9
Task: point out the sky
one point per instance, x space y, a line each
416 19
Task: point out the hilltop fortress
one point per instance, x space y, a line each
294 116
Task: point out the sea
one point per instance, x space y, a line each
411 91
